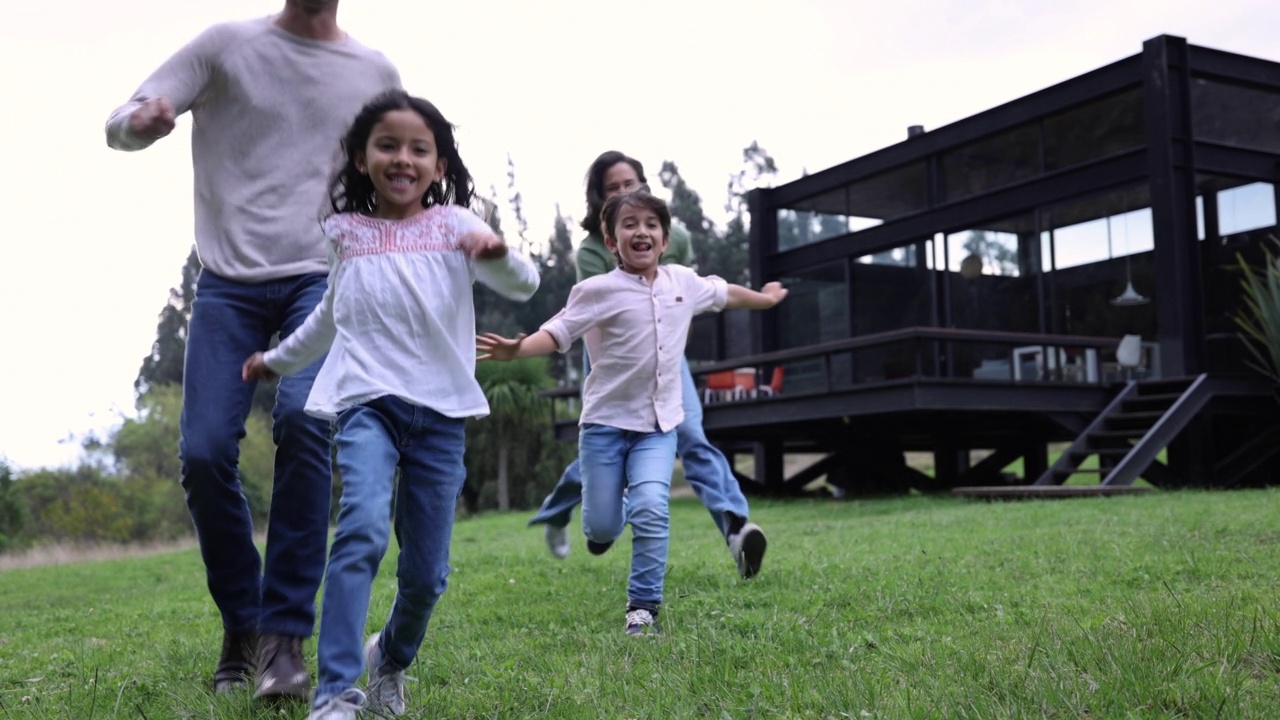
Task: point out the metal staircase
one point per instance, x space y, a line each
1129 434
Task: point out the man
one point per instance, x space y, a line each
270 99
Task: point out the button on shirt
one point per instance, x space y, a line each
635 334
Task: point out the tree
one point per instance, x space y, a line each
729 257
14 515
997 257
686 207
514 445
163 365
517 207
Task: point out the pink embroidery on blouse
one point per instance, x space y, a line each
355 235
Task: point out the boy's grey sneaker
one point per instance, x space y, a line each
747 547
386 686
281 672
557 541
236 662
641 622
342 706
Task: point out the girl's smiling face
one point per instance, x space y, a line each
402 161
638 239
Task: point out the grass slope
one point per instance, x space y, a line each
1158 606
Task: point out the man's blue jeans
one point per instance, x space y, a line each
229 322
372 441
706 469
614 460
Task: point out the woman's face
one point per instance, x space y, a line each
619 179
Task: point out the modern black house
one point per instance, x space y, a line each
1058 269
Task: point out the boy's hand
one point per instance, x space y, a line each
492 346
255 368
484 246
774 291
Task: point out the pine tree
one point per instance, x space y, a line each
163 366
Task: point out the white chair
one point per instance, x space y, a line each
1129 354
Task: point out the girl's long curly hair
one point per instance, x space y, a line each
353 191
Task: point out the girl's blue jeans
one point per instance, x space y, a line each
373 440
614 460
706 469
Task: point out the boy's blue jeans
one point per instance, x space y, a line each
706 469
229 322
613 460
372 441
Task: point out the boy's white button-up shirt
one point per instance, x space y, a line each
635 334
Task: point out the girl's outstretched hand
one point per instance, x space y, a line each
484 246
255 368
492 346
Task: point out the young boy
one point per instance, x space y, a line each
632 399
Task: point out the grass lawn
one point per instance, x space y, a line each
1159 606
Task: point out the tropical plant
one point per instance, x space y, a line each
1259 319
517 419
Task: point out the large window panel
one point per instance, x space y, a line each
893 289
1246 207
1094 130
816 311
1094 248
991 275
857 206
992 162
1235 114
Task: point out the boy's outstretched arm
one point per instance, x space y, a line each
743 297
492 346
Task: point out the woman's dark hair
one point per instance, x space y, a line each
595 185
353 191
637 199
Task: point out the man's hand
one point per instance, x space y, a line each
492 346
484 246
255 368
153 119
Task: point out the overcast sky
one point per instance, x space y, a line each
95 238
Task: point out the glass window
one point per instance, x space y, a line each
1247 207
1235 115
893 289
1094 249
991 276
991 162
858 206
1094 130
817 307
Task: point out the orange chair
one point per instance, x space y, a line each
775 384
719 386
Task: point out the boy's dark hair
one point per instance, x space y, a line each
637 199
595 185
353 191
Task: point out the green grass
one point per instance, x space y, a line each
1160 606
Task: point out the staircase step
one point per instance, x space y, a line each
1126 434
1118 421
1148 402
1164 387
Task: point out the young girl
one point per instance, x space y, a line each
631 401
399 381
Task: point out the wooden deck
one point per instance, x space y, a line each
1025 492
